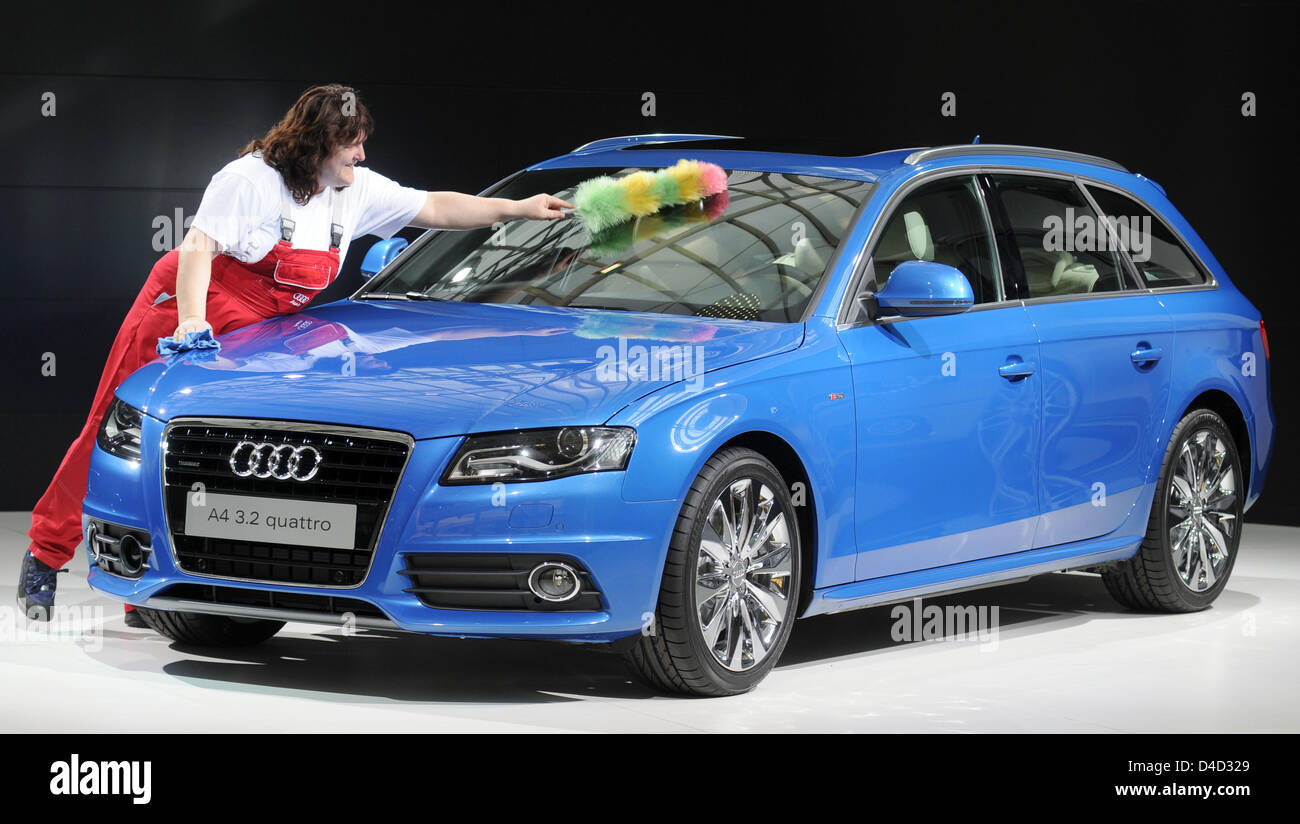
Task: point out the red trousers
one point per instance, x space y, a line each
56 520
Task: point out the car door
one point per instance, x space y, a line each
1104 355
947 406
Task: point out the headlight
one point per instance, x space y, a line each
119 432
540 454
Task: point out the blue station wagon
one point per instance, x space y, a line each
847 381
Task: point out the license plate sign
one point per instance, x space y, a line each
271 520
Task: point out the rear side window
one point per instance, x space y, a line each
1160 258
1064 248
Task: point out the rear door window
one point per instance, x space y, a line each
1064 248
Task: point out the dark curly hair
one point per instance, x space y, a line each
323 119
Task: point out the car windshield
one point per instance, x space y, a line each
755 252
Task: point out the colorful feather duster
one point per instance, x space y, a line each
621 236
604 202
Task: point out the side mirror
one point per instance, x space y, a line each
382 254
922 287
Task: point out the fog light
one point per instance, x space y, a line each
92 543
130 555
554 581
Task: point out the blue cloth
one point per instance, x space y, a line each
193 340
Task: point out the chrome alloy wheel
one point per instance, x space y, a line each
743 577
1202 510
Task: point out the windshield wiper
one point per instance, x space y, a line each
598 306
395 296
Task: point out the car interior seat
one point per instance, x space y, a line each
919 239
1070 276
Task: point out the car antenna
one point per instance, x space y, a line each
976 140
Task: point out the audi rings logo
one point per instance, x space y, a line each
269 460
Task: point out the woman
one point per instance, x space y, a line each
270 234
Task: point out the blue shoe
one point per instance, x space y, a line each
36 584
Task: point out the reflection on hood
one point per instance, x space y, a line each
446 368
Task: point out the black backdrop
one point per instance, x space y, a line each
149 102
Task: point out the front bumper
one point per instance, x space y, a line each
622 545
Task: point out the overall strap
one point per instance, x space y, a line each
336 218
286 225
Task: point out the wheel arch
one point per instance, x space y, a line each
787 461
1226 407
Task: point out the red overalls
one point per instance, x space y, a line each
283 281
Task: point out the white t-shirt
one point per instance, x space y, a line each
240 210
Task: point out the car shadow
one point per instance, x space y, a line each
399 666
392 666
1046 603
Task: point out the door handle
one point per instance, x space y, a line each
1144 354
1014 370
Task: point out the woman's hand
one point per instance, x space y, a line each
542 207
193 323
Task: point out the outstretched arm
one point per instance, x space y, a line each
193 272
454 210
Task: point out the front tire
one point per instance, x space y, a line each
731 582
1195 525
202 630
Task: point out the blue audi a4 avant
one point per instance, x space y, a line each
842 382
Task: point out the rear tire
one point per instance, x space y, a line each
731 582
204 630
1194 528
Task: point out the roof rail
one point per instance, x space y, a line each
639 139
922 155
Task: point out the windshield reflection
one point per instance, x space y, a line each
755 252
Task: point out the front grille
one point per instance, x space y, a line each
489 581
273 600
358 466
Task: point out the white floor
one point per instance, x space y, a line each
1065 658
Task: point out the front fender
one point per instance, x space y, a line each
803 397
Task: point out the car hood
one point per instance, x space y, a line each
434 369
